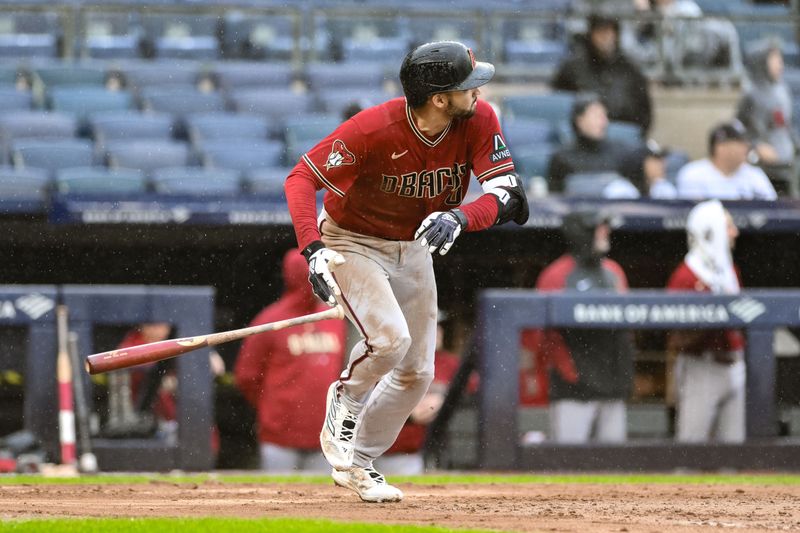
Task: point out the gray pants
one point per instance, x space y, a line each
578 422
389 294
711 399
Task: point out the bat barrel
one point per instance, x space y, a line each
139 355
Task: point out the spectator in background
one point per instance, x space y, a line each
709 375
285 374
597 64
725 174
591 370
405 457
591 150
765 110
646 168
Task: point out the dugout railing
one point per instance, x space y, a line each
503 314
189 310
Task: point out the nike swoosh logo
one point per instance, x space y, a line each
397 156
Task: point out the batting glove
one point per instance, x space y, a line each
321 262
440 229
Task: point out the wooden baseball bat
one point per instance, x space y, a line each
157 351
66 412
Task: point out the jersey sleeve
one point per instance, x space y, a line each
490 156
335 160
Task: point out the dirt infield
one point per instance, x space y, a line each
528 507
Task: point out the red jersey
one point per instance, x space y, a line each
684 279
412 436
384 176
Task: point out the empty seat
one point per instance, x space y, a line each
275 104
238 75
181 36
110 35
63 74
532 161
527 132
29 34
83 101
334 102
147 155
426 28
589 184
362 37
267 181
253 36
220 126
197 181
23 185
36 124
242 156
624 132
130 125
302 133
323 77
12 99
554 107
139 75
180 102
52 155
100 180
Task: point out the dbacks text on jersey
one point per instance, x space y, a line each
428 183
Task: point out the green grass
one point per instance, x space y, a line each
433 479
210 525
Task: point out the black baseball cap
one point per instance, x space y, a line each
727 131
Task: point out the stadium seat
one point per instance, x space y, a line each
82 101
335 102
147 155
329 77
589 184
63 74
26 184
139 75
267 181
181 102
9 75
554 107
181 36
52 155
12 99
302 133
425 28
37 124
240 75
625 132
197 181
110 34
202 127
252 36
129 125
275 104
100 180
532 161
527 132
30 34
242 156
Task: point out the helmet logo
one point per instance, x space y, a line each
471 58
339 156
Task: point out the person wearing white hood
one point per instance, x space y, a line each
710 370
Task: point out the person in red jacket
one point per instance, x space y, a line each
709 375
285 374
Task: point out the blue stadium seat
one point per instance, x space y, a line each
63 74
527 132
202 127
197 181
589 184
252 36
181 102
181 36
139 75
52 155
360 37
129 125
12 99
31 34
625 132
110 34
330 77
267 181
554 106
9 75
336 101
425 28
242 156
532 161
275 104
27 184
302 133
37 124
675 160
147 155
546 53
100 180
82 101
240 74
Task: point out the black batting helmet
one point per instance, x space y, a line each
441 67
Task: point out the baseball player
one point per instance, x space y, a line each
395 175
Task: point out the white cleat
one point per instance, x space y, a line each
338 434
368 483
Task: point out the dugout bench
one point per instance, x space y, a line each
190 310
503 313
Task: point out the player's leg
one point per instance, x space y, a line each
612 421
697 397
571 421
278 459
395 396
731 421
